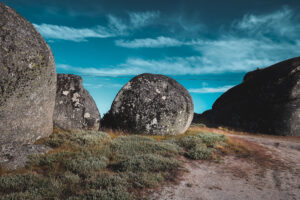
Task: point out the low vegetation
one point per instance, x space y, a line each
97 165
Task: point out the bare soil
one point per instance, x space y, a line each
270 172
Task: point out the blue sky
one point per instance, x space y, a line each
206 45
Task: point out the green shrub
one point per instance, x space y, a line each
143 179
23 185
211 139
71 184
22 196
189 141
199 146
87 138
49 161
126 146
147 163
77 138
115 193
105 181
198 152
85 165
70 178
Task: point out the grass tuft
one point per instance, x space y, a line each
127 146
144 179
200 145
110 194
85 165
147 163
27 186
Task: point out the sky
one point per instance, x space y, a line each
206 45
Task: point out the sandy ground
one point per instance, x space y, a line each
242 178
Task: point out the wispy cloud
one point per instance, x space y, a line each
281 23
233 51
169 66
243 54
115 27
93 71
227 54
141 19
158 42
92 86
117 24
210 89
50 31
107 85
255 41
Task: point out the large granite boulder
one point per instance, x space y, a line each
267 101
27 83
151 104
74 106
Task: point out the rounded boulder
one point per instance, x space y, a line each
152 104
74 106
27 82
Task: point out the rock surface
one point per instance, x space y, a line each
151 104
16 158
267 101
27 83
74 106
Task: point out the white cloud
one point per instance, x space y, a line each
114 27
228 54
92 86
231 52
280 23
169 66
210 89
191 65
117 24
159 42
73 34
92 71
141 19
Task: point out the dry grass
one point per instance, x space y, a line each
245 149
80 160
113 133
131 163
252 152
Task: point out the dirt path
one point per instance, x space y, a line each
236 178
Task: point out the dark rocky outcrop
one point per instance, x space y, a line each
267 101
74 106
152 104
27 83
